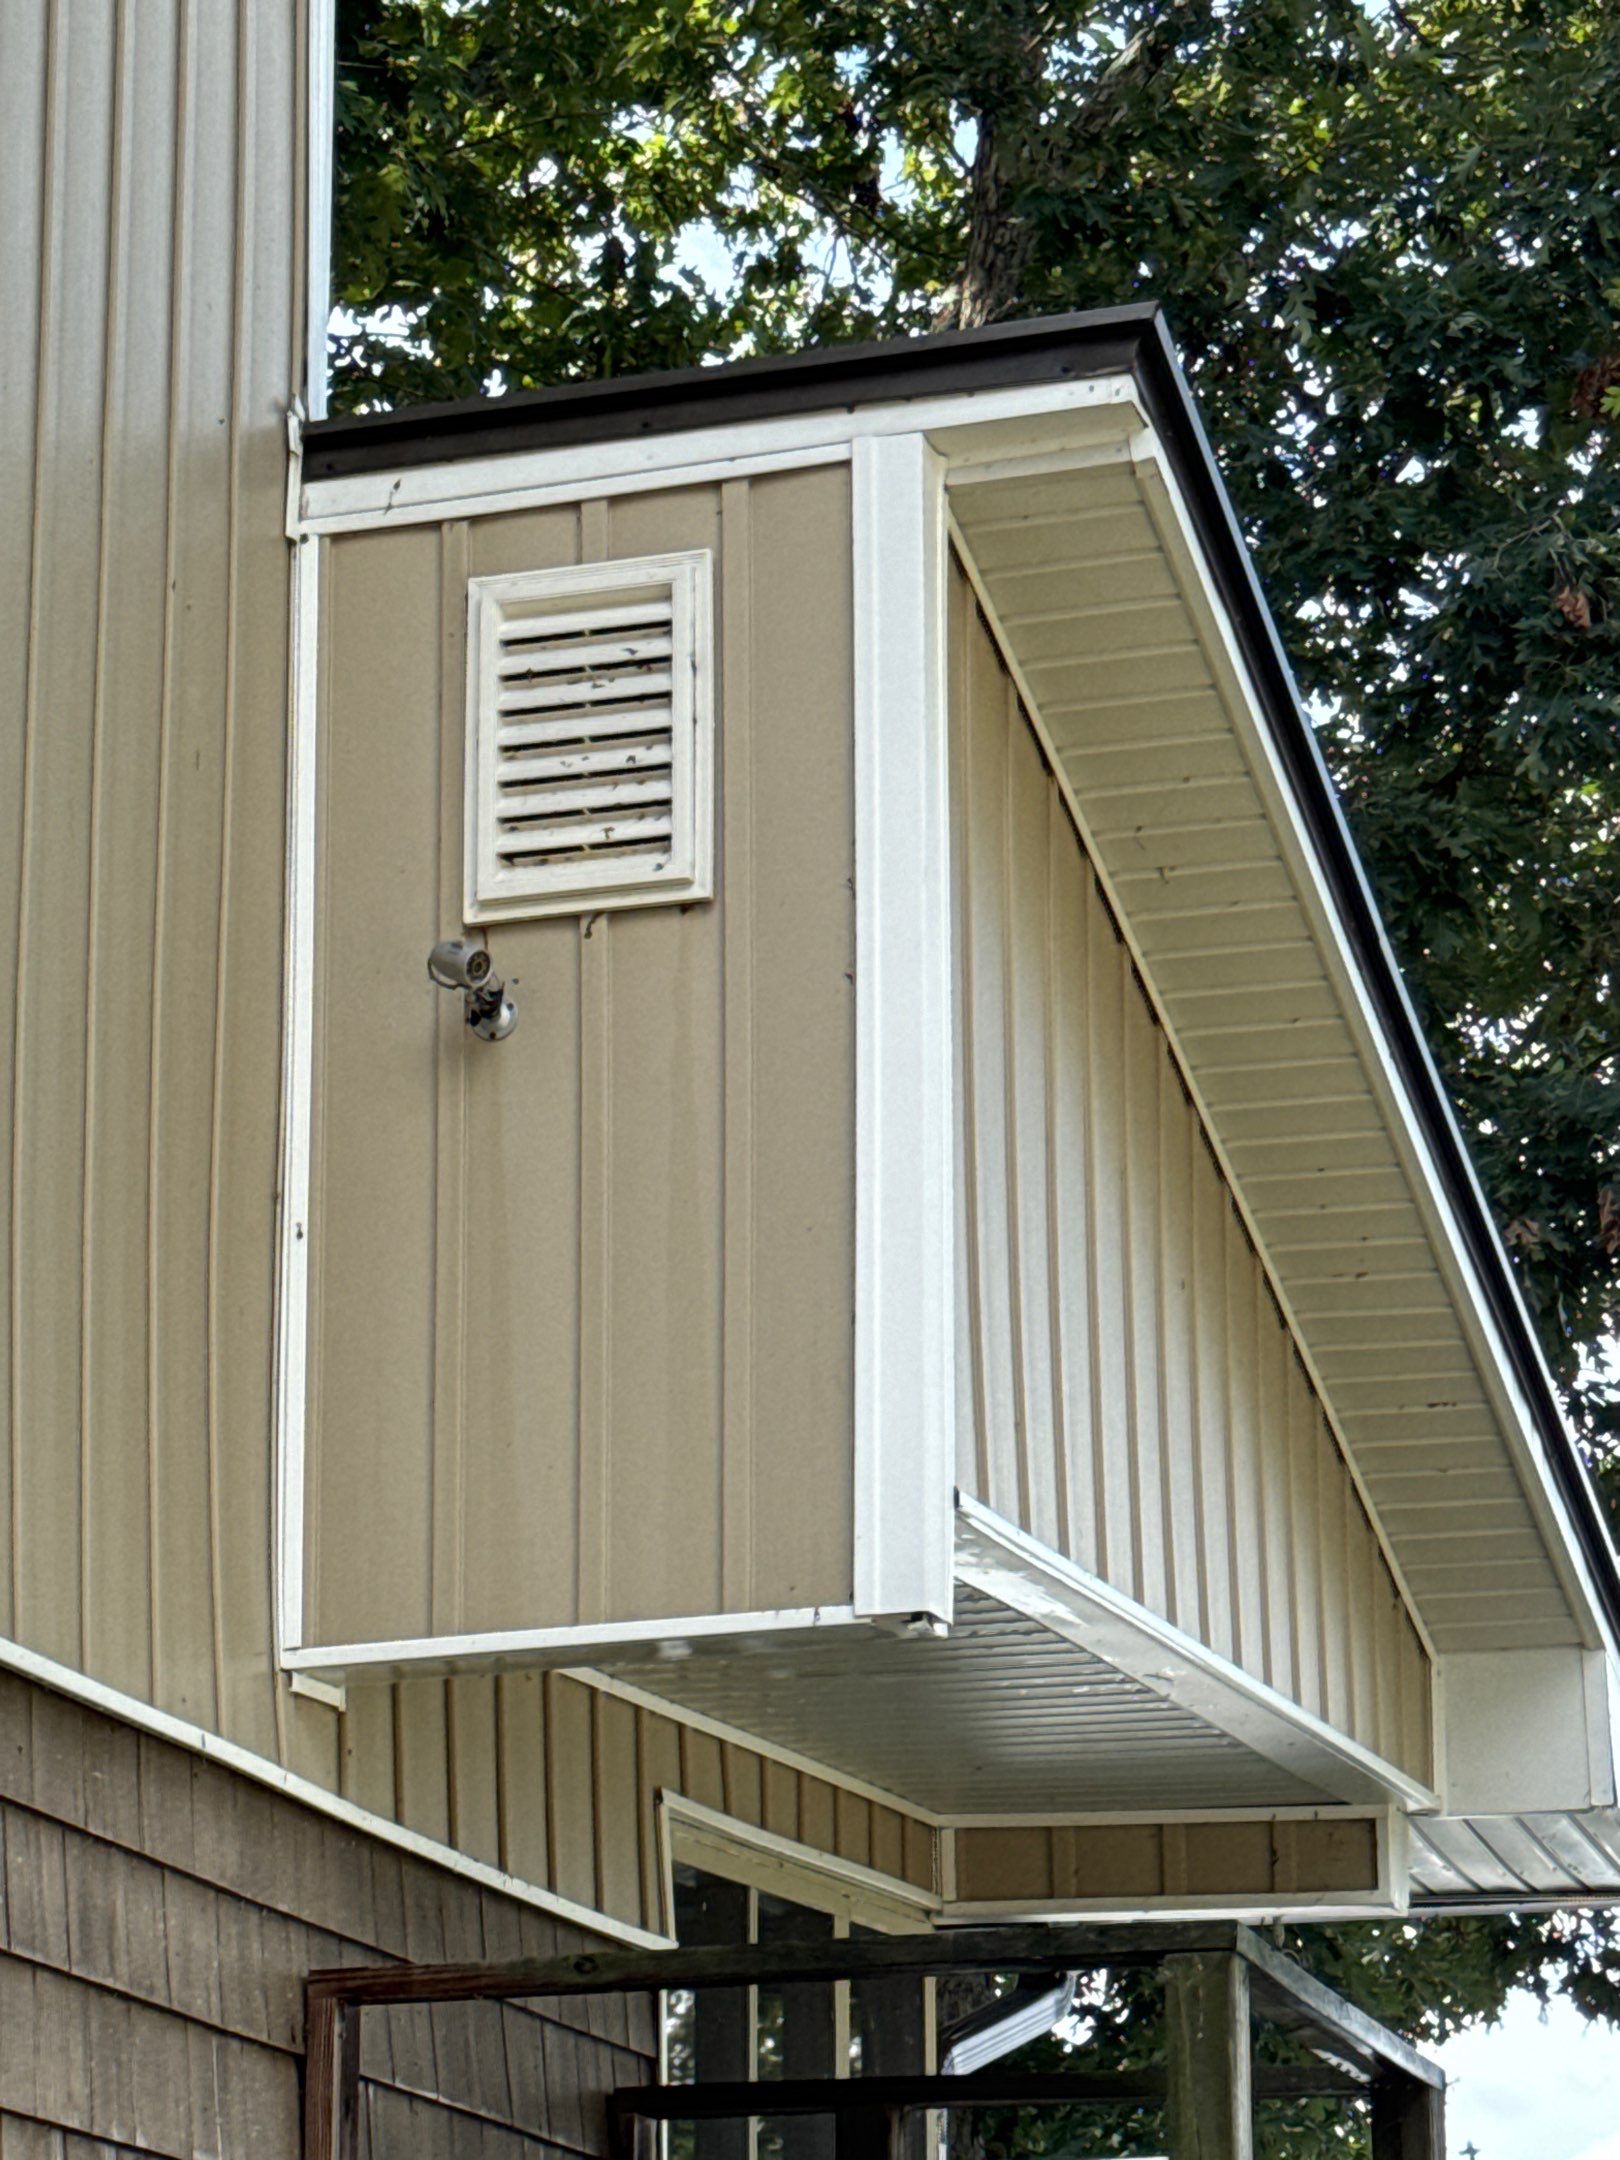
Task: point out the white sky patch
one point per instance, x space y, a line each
1534 2087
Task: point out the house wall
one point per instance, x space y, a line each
1324 1858
1131 1396
159 1916
581 1344
149 162
149 153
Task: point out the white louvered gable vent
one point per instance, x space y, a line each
590 737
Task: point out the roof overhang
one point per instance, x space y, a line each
1152 669
1094 409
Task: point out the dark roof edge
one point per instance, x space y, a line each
1101 341
1175 417
1051 348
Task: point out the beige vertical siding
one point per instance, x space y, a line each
601 1272
148 166
1132 1396
1221 1857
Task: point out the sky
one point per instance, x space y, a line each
1534 2087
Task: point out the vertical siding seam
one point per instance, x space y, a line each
180 202
1268 1608
242 137
117 176
1127 1272
48 139
736 762
961 748
595 1213
1161 1313
1012 718
320 1036
1062 1498
1290 1559
1234 1556
1195 1389
448 1079
1099 1442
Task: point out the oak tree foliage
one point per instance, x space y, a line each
1387 235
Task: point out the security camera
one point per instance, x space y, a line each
456 963
459 964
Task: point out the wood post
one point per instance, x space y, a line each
1206 2016
1408 2120
331 2077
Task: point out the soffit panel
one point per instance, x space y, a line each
1001 1716
1130 700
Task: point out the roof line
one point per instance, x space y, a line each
1099 341
1175 416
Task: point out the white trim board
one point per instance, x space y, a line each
320 119
905 1132
995 1556
1291 1905
297 1080
998 421
497 1650
180 1732
688 1829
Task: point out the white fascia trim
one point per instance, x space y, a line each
1118 1818
1168 510
484 487
180 1732
996 1557
1340 1905
501 1649
297 1075
905 1134
520 479
320 117
689 1830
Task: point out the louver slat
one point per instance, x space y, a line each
592 737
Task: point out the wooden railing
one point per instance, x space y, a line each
1217 1979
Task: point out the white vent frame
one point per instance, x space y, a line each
669 872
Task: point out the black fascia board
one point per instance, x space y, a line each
1050 349
829 378
1175 418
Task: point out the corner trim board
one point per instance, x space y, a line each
905 1158
320 93
297 1075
